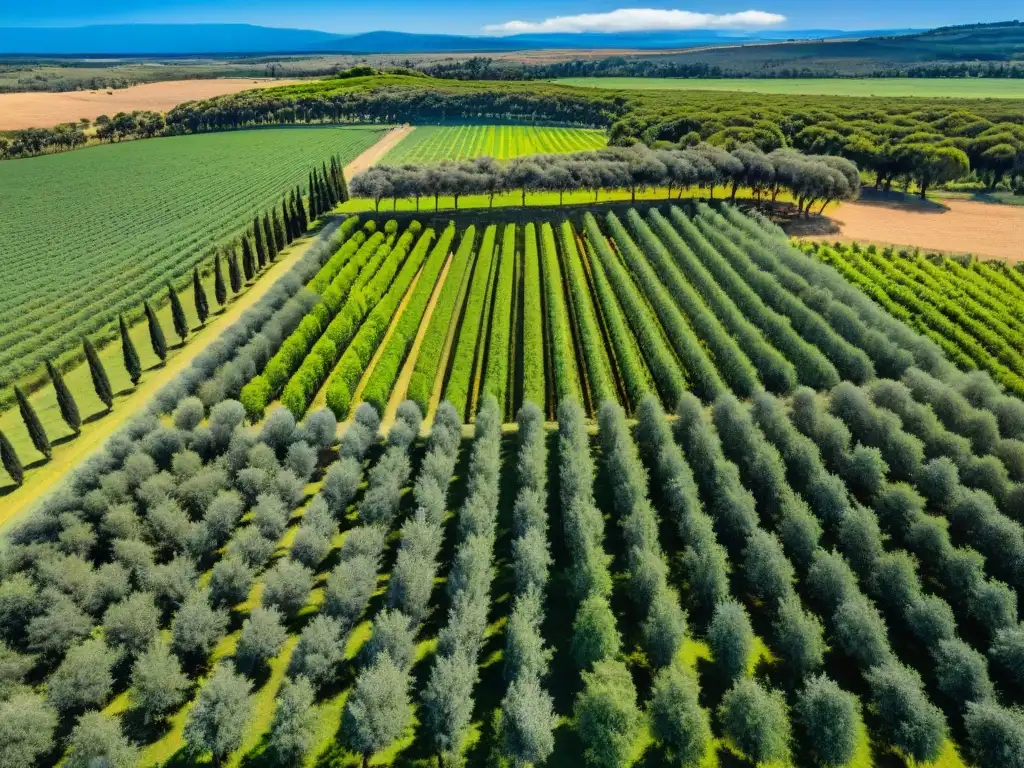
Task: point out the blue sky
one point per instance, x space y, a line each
461 17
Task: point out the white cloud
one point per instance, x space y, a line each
638 20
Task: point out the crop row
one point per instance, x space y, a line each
444 321
465 351
388 365
360 350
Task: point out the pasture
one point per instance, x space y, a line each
491 593
432 143
880 87
89 235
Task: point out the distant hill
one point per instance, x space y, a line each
195 39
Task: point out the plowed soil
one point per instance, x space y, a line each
956 226
44 110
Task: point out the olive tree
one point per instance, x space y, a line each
606 715
216 723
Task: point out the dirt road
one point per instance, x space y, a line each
374 154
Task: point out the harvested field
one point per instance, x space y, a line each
42 110
956 226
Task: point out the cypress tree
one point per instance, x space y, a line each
234 273
248 265
156 333
289 228
293 214
314 211
278 232
199 297
33 424
329 188
65 400
261 251
342 186
132 364
220 291
100 380
9 458
177 313
301 209
268 236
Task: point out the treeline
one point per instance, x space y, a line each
486 68
809 179
897 139
140 124
908 140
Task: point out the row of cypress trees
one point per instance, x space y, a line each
269 235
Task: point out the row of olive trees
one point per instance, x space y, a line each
810 179
528 719
889 579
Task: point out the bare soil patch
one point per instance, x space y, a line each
43 110
957 226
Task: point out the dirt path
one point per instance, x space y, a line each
956 226
41 480
44 110
402 385
67 455
373 155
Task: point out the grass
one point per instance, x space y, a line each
433 143
945 88
513 199
92 233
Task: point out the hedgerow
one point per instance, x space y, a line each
360 351
665 370
774 370
256 395
500 351
446 313
703 375
813 367
534 385
732 363
388 366
600 380
303 386
852 363
465 352
563 353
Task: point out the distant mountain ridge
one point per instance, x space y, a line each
195 39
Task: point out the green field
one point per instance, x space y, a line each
432 143
956 88
91 234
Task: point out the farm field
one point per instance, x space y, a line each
881 87
44 110
834 497
114 237
432 143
